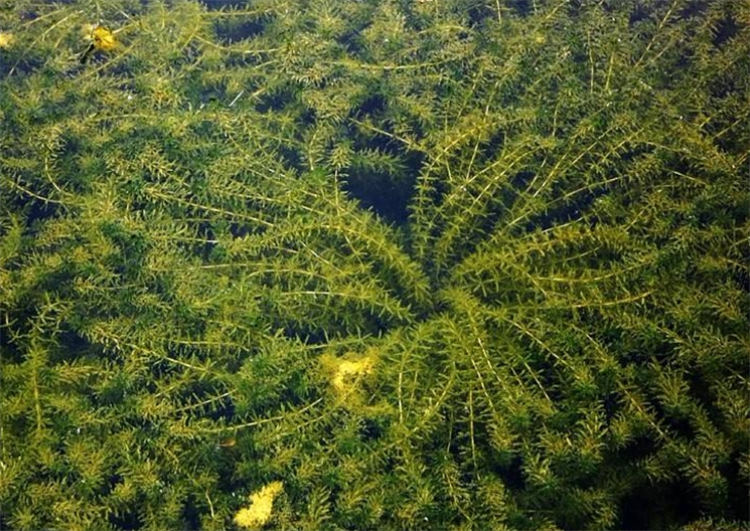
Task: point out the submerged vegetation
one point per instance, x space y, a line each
448 264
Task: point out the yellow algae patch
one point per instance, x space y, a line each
103 39
348 371
344 372
259 512
6 39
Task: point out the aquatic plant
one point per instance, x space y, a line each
429 264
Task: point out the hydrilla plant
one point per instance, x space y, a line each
426 264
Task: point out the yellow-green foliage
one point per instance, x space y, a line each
446 264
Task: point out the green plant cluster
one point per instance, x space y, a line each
445 264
